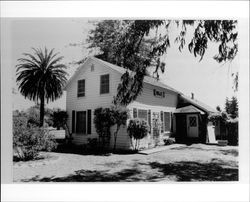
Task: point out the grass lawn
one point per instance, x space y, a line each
197 162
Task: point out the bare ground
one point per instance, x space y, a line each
197 162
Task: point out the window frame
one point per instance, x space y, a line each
81 94
101 84
145 110
77 122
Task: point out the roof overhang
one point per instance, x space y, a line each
188 110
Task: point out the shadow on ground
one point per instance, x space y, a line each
73 149
153 171
233 152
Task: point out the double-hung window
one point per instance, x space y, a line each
81 88
142 114
104 84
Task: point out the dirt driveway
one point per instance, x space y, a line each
197 162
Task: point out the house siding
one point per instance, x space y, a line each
93 99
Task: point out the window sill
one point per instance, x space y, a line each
79 98
104 94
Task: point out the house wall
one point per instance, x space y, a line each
93 99
148 101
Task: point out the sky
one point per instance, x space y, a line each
210 81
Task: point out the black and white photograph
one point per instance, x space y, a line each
117 100
125 100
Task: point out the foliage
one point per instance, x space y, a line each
137 130
59 118
228 120
92 143
33 116
133 45
29 140
40 77
231 107
218 108
107 117
103 121
169 141
119 117
233 132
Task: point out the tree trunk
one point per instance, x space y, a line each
42 110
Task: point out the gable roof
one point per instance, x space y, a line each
199 104
188 109
147 79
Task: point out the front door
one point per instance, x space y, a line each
192 125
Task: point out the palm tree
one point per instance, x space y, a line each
40 77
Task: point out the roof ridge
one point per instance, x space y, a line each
146 76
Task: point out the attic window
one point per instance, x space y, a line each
92 67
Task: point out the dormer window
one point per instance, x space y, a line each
104 84
81 88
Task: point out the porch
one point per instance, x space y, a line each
191 125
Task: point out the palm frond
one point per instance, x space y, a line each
41 74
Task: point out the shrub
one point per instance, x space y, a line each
169 141
59 119
137 130
33 115
103 121
29 140
92 144
119 116
232 128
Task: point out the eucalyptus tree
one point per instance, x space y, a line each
131 44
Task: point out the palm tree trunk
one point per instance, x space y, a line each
42 110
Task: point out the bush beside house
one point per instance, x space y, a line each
29 139
104 119
137 130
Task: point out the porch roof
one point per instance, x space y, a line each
188 109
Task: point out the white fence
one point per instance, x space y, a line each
58 134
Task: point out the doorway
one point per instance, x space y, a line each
192 126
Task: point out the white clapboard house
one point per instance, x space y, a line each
94 85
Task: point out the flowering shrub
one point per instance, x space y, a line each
137 130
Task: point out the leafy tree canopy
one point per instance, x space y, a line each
139 44
231 107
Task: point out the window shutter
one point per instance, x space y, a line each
149 120
162 130
89 122
73 121
134 113
167 121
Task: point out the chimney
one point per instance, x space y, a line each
192 96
